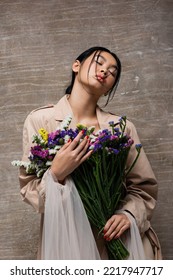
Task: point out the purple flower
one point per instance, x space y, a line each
95 146
38 151
52 135
115 151
113 137
116 129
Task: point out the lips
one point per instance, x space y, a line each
100 78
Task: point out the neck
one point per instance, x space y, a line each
83 105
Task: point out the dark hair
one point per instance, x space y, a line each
83 56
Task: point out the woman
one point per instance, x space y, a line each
95 73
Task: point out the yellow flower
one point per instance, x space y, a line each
81 126
44 134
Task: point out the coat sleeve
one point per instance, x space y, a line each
141 186
32 189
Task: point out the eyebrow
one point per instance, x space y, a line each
99 55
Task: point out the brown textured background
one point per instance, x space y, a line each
38 41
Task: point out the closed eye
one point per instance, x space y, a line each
100 60
99 63
113 73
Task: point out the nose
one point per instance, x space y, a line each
103 71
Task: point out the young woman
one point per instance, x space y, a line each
95 73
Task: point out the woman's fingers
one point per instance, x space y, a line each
116 233
115 226
79 147
70 156
82 147
65 146
76 140
87 155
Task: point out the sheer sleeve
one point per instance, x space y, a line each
66 231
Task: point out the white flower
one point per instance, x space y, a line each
39 173
20 163
65 123
92 138
66 138
54 151
48 163
91 147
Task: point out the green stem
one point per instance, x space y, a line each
134 162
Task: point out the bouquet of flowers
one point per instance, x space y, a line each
100 180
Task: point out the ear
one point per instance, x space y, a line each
76 66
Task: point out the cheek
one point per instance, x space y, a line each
110 82
91 69
85 71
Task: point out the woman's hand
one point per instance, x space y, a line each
70 156
115 226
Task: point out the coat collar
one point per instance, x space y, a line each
63 109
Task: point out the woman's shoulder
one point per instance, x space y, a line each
42 110
41 115
49 111
47 116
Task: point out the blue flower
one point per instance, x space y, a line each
138 147
111 123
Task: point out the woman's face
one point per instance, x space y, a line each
98 73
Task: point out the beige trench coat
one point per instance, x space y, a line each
142 188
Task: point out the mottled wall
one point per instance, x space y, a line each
38 41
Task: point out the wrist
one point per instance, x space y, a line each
56 178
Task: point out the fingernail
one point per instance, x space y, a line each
82 131
69 140
87 137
